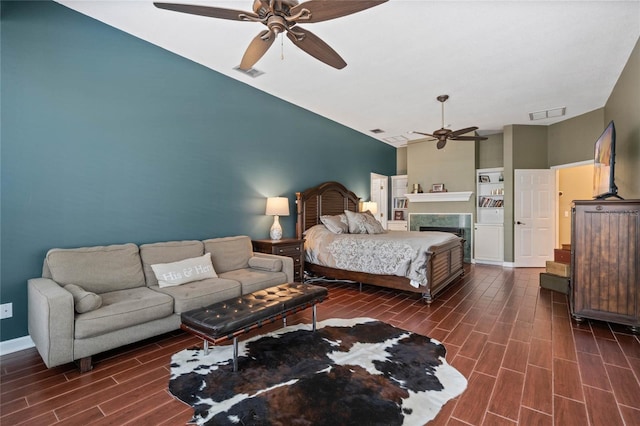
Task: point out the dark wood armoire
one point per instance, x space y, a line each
605 257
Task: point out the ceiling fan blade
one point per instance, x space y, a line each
211 12
469 138
421 133
323 10
256 50
441 143
462 131
315 47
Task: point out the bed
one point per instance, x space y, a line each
440 261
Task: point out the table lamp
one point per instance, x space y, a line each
276 207
372 206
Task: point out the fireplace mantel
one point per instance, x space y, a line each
431 197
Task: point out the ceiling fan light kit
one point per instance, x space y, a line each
283 16
442 135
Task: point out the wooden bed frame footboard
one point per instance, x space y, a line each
444 262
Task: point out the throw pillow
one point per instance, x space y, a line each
83 301
337 224
265 264
363 223
356 222
184 271
372 224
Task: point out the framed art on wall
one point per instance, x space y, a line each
437 187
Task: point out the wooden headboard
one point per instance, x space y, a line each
328 198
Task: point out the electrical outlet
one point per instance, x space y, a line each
6 310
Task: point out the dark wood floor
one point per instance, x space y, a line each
526 361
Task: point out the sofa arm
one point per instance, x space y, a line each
287 263
51 320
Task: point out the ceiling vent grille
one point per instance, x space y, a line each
549 113
251 72
396 139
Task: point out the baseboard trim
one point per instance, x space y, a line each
15 345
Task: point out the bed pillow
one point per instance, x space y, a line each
83 301
184 271
363 223
337 224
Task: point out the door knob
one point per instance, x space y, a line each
520 223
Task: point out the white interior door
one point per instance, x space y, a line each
534 217
380 195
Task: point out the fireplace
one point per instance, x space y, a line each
456 223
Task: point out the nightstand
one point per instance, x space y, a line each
289 247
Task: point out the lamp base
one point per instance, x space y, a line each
276 230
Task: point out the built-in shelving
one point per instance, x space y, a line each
489 228
399 204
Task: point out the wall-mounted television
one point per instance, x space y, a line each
604 164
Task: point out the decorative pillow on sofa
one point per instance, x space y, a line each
264 264
184 271
363 223
83 301
337 224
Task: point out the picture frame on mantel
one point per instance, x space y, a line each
437 187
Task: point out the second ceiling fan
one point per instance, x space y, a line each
442 135
283 16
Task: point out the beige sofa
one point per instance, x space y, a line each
93 299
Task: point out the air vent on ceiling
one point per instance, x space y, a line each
549 113
251 72
376 131
396 139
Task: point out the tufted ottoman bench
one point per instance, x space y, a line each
227 320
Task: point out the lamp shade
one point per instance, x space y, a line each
277 206
372 206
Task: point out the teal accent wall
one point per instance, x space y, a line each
108 139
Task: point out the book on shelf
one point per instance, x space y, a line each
400 203
490 202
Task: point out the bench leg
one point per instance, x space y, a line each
235 354
205 346
314 317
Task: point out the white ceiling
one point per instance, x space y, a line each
498 60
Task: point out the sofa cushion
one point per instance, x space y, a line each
99 269
230 253
121 309
184 271
83 300
265 264
167 252
198 294
255 279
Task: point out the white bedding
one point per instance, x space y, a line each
398 253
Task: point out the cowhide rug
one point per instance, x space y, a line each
349 372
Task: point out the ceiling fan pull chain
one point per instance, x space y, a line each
281 47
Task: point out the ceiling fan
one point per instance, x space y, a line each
442 134
283 16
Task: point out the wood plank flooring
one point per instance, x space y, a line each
526 360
